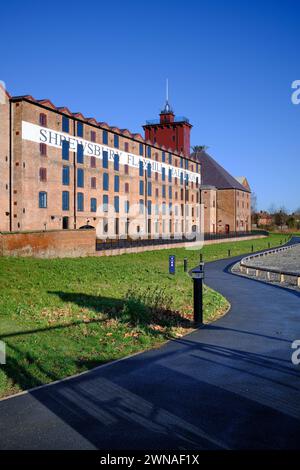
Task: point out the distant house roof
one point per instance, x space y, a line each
215 175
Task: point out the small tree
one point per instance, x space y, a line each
280 218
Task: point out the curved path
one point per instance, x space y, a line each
228 385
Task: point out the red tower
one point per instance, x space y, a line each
171 131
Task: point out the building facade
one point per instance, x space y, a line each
226 200
61 170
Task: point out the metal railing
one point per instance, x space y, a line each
122 243
176 119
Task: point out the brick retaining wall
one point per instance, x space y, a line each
49 244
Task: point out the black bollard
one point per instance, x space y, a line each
229 253
198 275
201 257
185 265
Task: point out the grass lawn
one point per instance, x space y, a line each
63 316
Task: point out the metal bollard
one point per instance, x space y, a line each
201 258
198 276
185 265
252 248
229 253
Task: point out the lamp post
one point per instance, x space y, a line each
198 276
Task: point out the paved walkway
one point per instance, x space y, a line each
228 385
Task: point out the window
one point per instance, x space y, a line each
105 137
116 183
170 208
156 176
163 157
156 209
105 181
65 200
186 164
93 136
126 169
141 204
149 190
170 192
149 170
42 200
105 159
65 124
126 147
80 153
181 178
149 207
66 175
80 178
163 208
116 141
79 129
141 148
43 149
170 175
126 187
93 204
93 162
126 207
170 158
93 182
105 203
141 188
116 162
156 192
116 203
43 174
43 120
141 168
116 226
105 225
80 202
181 162
65 150
149 152
163 173
163 191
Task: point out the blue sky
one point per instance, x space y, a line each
230 66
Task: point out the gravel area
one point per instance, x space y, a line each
287 261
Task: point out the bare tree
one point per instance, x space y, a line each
199 148
253 202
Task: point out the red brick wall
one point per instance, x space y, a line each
50 244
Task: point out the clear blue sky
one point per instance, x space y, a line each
230 66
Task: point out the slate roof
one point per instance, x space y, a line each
212 173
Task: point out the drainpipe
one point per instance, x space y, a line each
10 166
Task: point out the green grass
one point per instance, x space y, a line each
63 316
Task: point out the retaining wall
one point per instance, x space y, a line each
48 244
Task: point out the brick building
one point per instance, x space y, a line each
226 200
62 170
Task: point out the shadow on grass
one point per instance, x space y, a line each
23 368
